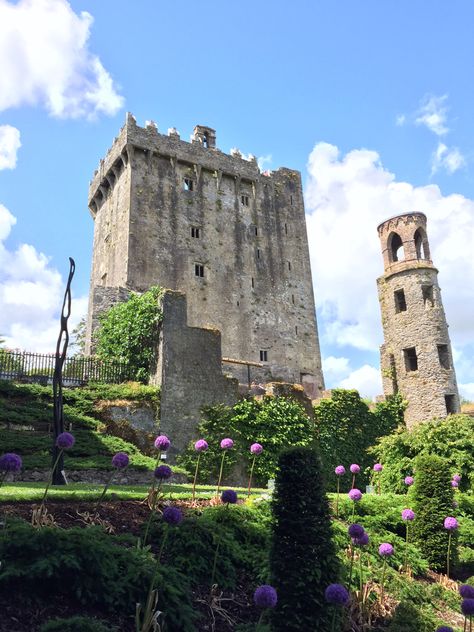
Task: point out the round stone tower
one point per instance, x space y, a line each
416 357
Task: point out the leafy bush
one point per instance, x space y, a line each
302 556
432 497
128 332
408 618
275 422
450 438
75 624
88 566
346 428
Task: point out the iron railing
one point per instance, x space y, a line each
77 370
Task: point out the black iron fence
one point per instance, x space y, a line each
77 370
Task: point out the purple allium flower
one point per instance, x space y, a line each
162 443
444 628
265 596
229 496
466 591
256 448
454 483
467 607
355 494
120 460
172 515
163 472
354 468
362 541
336 594
340 470
65 440
408 514
356 530
378 467
409 480
201 445
226 444
10 462
457 478
451 523
385 549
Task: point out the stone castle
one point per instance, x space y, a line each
188 217
416 357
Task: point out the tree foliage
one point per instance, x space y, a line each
128 332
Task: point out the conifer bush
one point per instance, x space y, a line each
75 624
302 555
432 496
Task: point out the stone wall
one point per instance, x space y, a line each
163 206
101 299
189 373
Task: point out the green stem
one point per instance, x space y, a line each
195 476
361 579
152 512
353 481
3 478
352 565
449 553
383 579
49 483
406 551
353 510
251 474
337 498
220 473
333 624
259 621
106 486
214 565
155 572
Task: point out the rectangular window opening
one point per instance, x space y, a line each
263 355
411 359
188 184
291 200
195 232
258 253
450 401
199 270
286 229
443 355
296 329
293 299
256 231
428 299
253 283
244 199
289 265
400 302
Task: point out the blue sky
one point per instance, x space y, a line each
372 101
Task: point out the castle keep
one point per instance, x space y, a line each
191 218
416 358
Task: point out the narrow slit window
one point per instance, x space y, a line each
443 355
400 302
199 270
244 199
411 359
188 184
253 283
256 231
296 329
291 200
286 229
195 232
450 401
293 299
263 355
289 265
258 253
428 298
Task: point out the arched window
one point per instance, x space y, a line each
395 247
421 244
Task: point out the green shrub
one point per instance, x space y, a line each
432 497
75 624
302 554
275 422
128 332
408 618
450 438
346 428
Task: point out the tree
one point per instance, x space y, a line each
78 337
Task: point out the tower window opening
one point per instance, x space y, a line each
205 140
195 232
443 355
411 359
263 355
428 297
291 200
253 283
450 401
421 244
289 265
199 270
244 199
258 253
397 252
400 302
188 184
296 329
256 231
293 299
286 229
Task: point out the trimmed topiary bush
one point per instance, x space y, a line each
302 555
75 624
432 496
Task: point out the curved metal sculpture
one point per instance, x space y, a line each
59 477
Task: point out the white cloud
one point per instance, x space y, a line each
44 59
263 161
432 114
449 159
467 391
9 145
346 198
338 373
400 120
31 294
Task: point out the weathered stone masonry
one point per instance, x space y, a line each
416 357
188 217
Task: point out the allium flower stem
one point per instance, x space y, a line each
260 619
152 511
406 551
150 601
50 481
449 554
353 511
353 481
361 576
333 624
219 538
195 476
351 566
251 474
104 491
383 578
337 498
220 473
